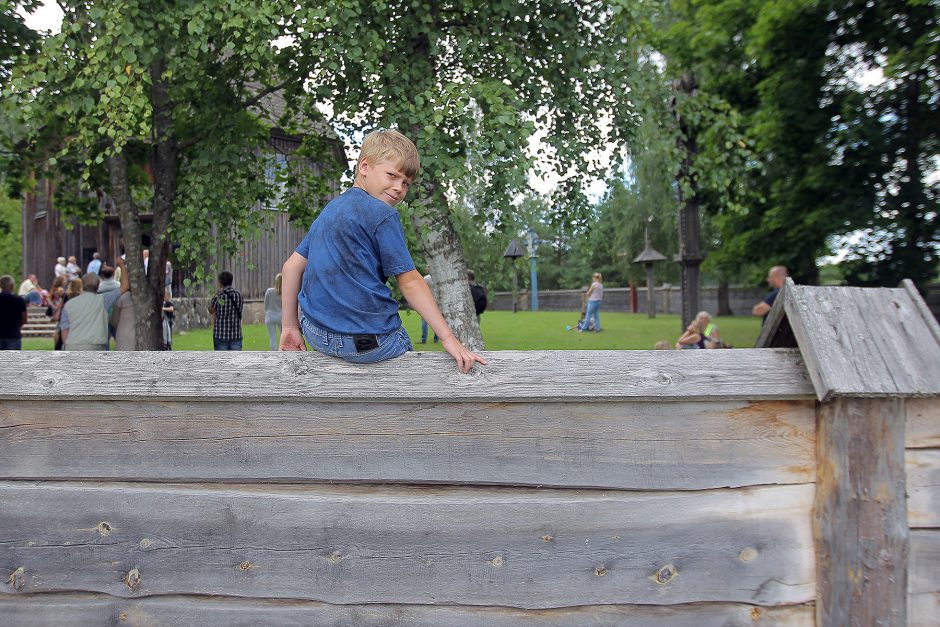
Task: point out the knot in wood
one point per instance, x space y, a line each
548 538
145 543
600 571
245 566
132 578
497 561
17 580
335 557
755 613
748 554
104 528
665 574
122 616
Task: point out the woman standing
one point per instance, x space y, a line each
595 295
272 312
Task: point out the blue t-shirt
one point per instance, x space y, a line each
352 248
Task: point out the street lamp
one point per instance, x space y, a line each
532 242
512 253
648 257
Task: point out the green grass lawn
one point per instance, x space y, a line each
503 330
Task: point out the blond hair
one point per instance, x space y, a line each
74 288
597 276
390 145
278 281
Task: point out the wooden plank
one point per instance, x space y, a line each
897 370
923 487
860 516
91 610
814 326
511 375
923 422
630 445
923 609
925 561
862 342
922 309
356 544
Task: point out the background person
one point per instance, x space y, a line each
13 315
595 295
169 312
272 312
776 277
226 310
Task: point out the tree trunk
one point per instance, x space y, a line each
724 298
148 301
431 219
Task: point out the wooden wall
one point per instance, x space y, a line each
923 489
548 488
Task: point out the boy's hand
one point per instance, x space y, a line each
464 358
292 340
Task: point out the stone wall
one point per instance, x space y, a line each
618 299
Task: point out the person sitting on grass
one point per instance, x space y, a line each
702 333
339 271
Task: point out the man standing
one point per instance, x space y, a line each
60 268
94 265
776 277
12 316
84 321
226 308
73 269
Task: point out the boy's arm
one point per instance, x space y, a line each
419 296
292 274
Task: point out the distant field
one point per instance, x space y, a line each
503 330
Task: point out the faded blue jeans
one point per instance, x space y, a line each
594 311
387 346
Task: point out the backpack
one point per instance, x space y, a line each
478 292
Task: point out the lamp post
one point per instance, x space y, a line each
512 253
648 257
532 242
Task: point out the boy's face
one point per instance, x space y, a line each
384 181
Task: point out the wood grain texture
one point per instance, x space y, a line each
923 610
860 518
923 487
89 610
630 445
925 561
510 376
519 548
921 305
863 342
923 422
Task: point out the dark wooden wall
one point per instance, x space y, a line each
46 235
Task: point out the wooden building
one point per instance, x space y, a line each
793 485
47 234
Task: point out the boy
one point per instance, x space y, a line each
357 242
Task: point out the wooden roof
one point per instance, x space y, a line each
859 341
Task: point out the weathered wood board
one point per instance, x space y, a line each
923 610
860 513
88 610
925 562
365 544
651 446
923 422
860 342
565 376
923 487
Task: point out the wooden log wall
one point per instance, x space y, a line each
556 488
923 510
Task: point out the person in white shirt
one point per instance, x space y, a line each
73 269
